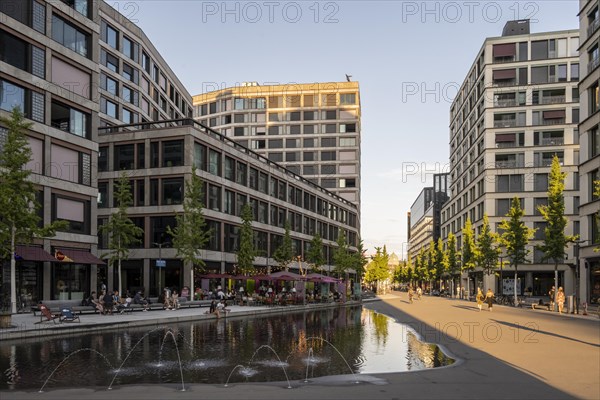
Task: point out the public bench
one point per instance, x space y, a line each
57 306
534 302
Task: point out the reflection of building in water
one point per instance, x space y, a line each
422 355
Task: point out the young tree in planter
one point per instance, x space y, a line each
246 253
341 255
190 234
123 233
487 251
284 254
19 220
451 257
555 240
314 255
469 252
515 237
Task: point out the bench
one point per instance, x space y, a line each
534 302
57 305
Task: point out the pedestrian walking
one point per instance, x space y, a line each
560 299
479 298
411 294
489 299
551 293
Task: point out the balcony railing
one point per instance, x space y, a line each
593 27
553 121
592 65
552 99
502 83
501 60
509 164
545 162
505 145
505 123
505 103
552 141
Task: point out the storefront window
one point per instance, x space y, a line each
70 281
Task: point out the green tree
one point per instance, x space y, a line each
284 254
451 262
555 240
19 219
487 251
434 267
469 252
123 233
377 270
342 260
246 253
314 256
359 260
190 234
515 237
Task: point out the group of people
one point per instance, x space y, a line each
218 308
560 298
170 299
109 302
488 298
414 293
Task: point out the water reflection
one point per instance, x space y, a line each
268 348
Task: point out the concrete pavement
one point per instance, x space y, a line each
507 353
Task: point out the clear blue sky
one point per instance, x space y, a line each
408 56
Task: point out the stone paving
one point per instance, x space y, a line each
506 353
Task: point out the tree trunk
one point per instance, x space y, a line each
13 271
515 287
468 286
192 282
555 307
119 270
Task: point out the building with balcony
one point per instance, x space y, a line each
517 108
311 129
589 167
159 158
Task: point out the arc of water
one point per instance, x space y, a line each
231 373
129 354
310 352
170 332
69 356
276 355
335 348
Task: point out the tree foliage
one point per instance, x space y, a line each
190 234
451 262
121 230
487 250
19 219
342 259
555 240
284 254
246 253
377 269
469 250
314 256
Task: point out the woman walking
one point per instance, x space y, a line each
560 299
479 298
489 299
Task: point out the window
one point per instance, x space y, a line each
110 35
128 47
276 143
347 142
276 157
540 182
309 156
539 50
30 13
109 108
172 191
309 129
509 183
109 84
229 172
214 197
344 128
328 156
76 212
109 61
69 36
214 162
102 195
129 73
124 157
70 120
103 159
240 175
328 142
22 55
127 116
146 62
172 152
347 98
347 183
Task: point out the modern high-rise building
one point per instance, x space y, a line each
517 108
311 129
102 100
589 138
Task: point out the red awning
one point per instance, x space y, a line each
77 257
32 253
505 137
505 50
504 74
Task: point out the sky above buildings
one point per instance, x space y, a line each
409 57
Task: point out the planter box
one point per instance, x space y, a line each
5 320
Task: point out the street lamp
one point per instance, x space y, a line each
501 255
303 273
160 263
576 250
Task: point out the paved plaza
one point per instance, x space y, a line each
507 353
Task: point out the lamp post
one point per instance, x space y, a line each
303 273
160 263
501 256
576 250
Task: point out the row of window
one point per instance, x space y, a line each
308 116
541 117
540 50
538 75
260 103
546 96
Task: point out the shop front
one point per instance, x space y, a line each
168 274
71 273
594 268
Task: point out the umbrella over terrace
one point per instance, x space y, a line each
286 276
315 277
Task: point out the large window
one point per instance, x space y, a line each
69 119
509 183
173 153
76 212
172 191
21 54
81 6
110 35
124 157
70 36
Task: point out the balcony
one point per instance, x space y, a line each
505 123
505 103
502 60
505 82
552 99
506 145
552 141
545 162
510 164
553 121
592 65
593 27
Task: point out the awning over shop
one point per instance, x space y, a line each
77 257
32 253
